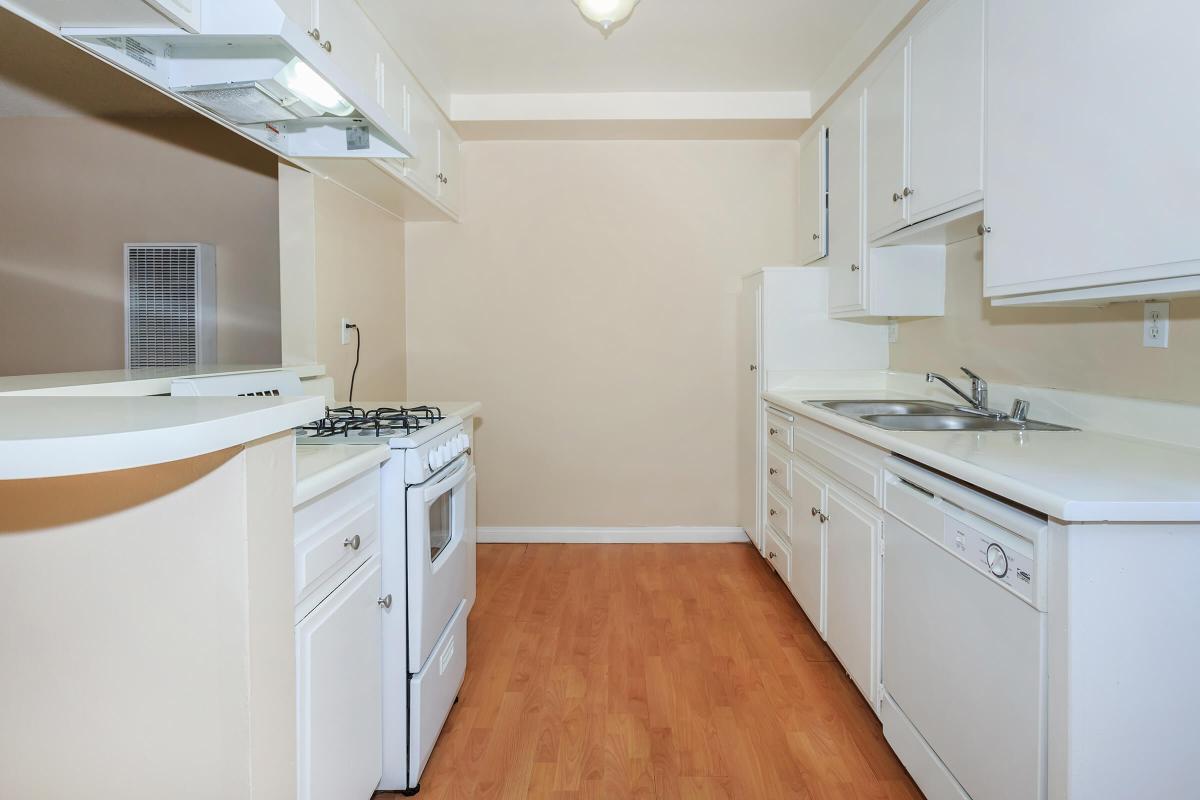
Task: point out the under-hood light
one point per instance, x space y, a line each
303 81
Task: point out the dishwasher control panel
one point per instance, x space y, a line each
995 552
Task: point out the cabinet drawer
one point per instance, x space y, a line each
778 556
336 531
852 461
779 474
779 514
779 430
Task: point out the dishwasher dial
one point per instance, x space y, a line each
997 560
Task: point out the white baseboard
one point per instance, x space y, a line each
676 535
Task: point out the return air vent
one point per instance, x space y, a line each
170 305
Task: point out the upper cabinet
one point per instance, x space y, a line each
887 145
812 232
1092 168
924 120
847 286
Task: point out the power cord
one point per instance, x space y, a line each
357 352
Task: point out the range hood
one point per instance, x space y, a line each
257 72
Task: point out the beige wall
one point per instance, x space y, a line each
1087 349
75 189
588 299
360 276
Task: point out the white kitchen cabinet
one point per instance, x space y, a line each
422 168
184 12
853 531
1092 172
783 324
811 198
945 110
847 287
340 691
449 176
808 542
749 408
924 120
351 39
886 144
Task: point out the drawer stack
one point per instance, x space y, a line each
779 491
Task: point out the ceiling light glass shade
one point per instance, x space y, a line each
607 14
303 81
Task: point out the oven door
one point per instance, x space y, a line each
439 555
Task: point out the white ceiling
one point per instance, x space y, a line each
514 46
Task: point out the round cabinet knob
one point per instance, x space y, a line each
895 197
385 601
354 542
997 560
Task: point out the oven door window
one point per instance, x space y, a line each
440 525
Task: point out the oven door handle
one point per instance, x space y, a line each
449 483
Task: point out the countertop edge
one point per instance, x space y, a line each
1054 505
24 459
313 486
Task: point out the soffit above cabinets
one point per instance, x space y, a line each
677 69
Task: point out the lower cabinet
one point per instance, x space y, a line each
339 691
832 556
808 543
852 535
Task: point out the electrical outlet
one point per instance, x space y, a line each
893 331
345 330
1156 324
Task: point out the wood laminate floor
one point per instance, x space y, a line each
655 671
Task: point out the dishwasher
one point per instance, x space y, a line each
964 638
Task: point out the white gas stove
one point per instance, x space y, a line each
427 549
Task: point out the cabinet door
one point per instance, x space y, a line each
749 409
810 202
449 174
1079 193
394 83
298 11
808 567
353 40
886 134
851 601
847 288
339 690
945 153
422 168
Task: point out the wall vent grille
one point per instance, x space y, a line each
170 305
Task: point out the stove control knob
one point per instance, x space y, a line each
466 441
435 460
997 560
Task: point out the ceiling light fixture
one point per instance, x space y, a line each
607 15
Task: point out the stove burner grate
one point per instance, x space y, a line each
383 421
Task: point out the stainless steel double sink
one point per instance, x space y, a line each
927 415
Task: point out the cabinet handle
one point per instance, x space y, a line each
753 367
772 511
774 432
895 197
982 229
908 191
816 236
772 555
855 267
385 602
327 46
815 511
315 33
824 518
441 176
353 542
771 470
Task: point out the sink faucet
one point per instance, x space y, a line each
977 400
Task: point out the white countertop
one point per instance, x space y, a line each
43 437
131 382
1076 476
319 468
